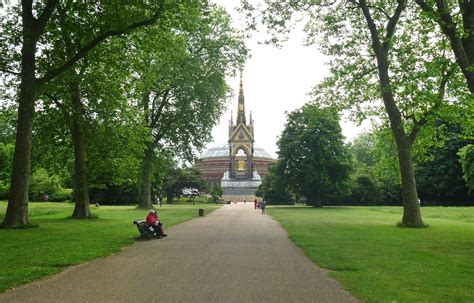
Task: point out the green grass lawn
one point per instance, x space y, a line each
29 254
379 262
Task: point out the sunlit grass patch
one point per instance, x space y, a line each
29 254
379 262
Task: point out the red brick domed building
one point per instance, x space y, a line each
216 161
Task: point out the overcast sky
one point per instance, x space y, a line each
275 81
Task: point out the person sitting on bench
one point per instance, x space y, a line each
153 221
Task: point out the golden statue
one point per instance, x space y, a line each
241 165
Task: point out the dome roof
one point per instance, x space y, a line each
222 150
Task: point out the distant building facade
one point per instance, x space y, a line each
239 159
216 161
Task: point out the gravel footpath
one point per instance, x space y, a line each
234 254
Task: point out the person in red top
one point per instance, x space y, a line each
153 221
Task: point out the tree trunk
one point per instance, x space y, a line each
81 190
145 192
411 208
315 202
17 210
467 7
462 45
169 197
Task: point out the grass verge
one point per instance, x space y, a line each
29 254
379 262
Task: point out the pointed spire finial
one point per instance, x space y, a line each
241 90
241 103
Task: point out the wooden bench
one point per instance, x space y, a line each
144 230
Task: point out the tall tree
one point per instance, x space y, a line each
180 86
380 51
118 19
312 156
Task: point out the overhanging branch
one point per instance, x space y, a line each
439 99
95 42
9 71
392 23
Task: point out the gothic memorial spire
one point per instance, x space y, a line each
241 104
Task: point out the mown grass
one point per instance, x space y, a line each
29 254
379 262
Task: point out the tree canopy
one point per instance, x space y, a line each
388 60
79 82
312 156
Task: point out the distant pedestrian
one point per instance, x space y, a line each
262 206
255 204
245 201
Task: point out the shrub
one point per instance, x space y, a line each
216 193
61 194
41 183
4 190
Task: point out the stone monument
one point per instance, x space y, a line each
241 181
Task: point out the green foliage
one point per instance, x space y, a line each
178 178
123 194
74 53
438 169
274 188
6 155
467 160
187 54
418 63
7 130
178 83
379 51
366 190
312 156
378 262
60 242
375 179
364 150
61 194
216 192
203 199
43 183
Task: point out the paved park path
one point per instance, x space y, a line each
234 254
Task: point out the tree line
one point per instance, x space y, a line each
104 94
317 167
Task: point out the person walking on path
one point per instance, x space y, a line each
153 221
255 203
262 206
